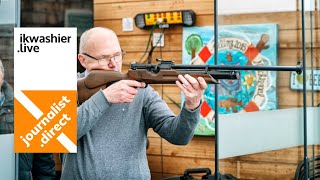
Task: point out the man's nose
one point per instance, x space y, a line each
112 63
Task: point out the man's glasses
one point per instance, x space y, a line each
106 60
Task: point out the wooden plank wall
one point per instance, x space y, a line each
169 160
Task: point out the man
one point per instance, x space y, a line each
31 166
113 123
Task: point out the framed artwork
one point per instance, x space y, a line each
250 45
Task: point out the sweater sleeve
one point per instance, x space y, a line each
90 112
177 130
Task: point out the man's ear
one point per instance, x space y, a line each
82 60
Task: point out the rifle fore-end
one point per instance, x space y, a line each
100 79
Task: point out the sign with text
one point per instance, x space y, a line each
296 80
45 90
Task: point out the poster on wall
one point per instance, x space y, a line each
251 45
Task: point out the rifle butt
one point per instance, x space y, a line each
84 93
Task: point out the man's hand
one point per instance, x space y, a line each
193 90
123 91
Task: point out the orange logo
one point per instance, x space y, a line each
45 121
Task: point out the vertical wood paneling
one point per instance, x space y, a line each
167 160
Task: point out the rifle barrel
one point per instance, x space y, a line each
297 68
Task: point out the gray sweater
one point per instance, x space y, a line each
112 137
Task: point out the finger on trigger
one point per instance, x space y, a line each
143 85
133 83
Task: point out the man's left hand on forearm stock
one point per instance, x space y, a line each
193 90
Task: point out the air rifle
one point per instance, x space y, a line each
164 73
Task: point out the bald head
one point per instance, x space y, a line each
99 43
93 36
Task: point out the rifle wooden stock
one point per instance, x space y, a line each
100 79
